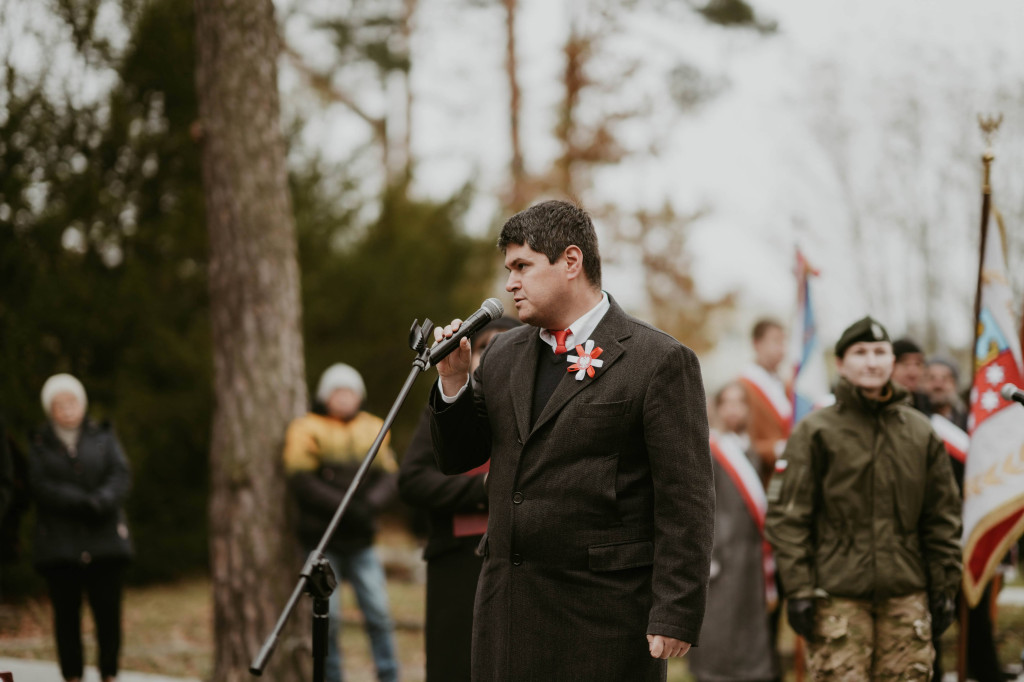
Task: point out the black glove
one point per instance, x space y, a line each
801 616
943 610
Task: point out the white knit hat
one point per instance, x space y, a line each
62 383
338 376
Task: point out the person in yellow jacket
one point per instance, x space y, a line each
323 451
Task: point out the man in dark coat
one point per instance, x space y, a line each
456 508
601 498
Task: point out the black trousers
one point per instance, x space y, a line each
100 581
982 658
451 590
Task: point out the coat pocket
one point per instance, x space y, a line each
619 556
604 410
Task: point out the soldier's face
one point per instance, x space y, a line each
867 365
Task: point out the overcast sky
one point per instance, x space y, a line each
852 118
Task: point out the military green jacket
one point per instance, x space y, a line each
863 503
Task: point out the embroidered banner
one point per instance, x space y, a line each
994 469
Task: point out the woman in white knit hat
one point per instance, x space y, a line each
79 479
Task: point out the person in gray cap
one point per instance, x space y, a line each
864 517
323 450
941 382
942 377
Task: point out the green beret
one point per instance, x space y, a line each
866 329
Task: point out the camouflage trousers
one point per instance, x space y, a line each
859 640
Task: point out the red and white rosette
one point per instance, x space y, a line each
586 361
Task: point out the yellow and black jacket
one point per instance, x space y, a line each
321 457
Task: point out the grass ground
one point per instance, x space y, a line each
168 629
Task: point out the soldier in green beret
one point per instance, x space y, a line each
864 516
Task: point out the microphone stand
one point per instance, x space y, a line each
316 576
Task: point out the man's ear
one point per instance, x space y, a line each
573 261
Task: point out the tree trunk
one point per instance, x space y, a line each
517 199
259 377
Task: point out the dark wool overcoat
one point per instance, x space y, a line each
79 497
601 507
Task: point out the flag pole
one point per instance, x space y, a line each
989 125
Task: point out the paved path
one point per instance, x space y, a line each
45 671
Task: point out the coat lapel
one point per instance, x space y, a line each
522 371
610 332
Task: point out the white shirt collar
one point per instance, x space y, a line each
581 329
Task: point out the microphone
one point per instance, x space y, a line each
1011 392
491 309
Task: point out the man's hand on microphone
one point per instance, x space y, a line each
454 369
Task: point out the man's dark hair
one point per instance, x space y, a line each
720 393
905 346
551 227
762 326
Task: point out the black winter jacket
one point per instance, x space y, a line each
79 497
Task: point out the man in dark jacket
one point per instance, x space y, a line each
601 499
909 371
457 508
864 517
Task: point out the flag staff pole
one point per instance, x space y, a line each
989 125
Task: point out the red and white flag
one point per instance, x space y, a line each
994 470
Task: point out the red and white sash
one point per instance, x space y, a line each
730 456
955 438
772 392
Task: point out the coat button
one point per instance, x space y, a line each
86 558
517 559
517 497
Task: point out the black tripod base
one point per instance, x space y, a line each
320 584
